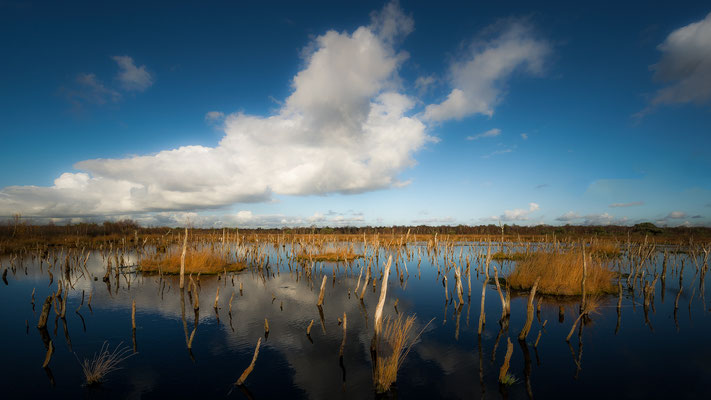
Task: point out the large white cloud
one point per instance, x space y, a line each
478 81
345 128
685 65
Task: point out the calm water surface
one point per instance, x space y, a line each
661 353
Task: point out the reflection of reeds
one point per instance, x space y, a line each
591 307
103 363
394 342
202 261
561 274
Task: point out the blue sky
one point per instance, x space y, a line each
374 113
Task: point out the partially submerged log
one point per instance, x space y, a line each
249 369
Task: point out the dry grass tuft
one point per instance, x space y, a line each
103 363
604 249
592 305
330 256
561 274
499 256
394 343
204 261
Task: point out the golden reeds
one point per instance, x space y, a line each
330 256
394 343
604 249
104 362
561 274
203 261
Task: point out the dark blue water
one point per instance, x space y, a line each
661 354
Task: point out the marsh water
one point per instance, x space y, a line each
662 351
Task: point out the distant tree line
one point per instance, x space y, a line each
17 228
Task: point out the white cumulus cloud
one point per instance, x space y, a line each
478 80
344 128
685 65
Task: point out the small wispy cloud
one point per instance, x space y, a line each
524 136
490 133
631 204
91 90
131 77
676 215
541 186
496 153
434 221
569 216
424 83
214 116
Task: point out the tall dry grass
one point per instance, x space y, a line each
561 274
332 255
205 261
394 343
499 256
604 249
96 369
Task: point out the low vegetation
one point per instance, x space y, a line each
394 343
509 380
499 256
204 261
333 255
604 249
96 369
561 274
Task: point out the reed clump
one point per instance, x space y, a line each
509 379
561 274
499 256
96 369
604 249
204 261
334 255
394 343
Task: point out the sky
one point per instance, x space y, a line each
326 113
